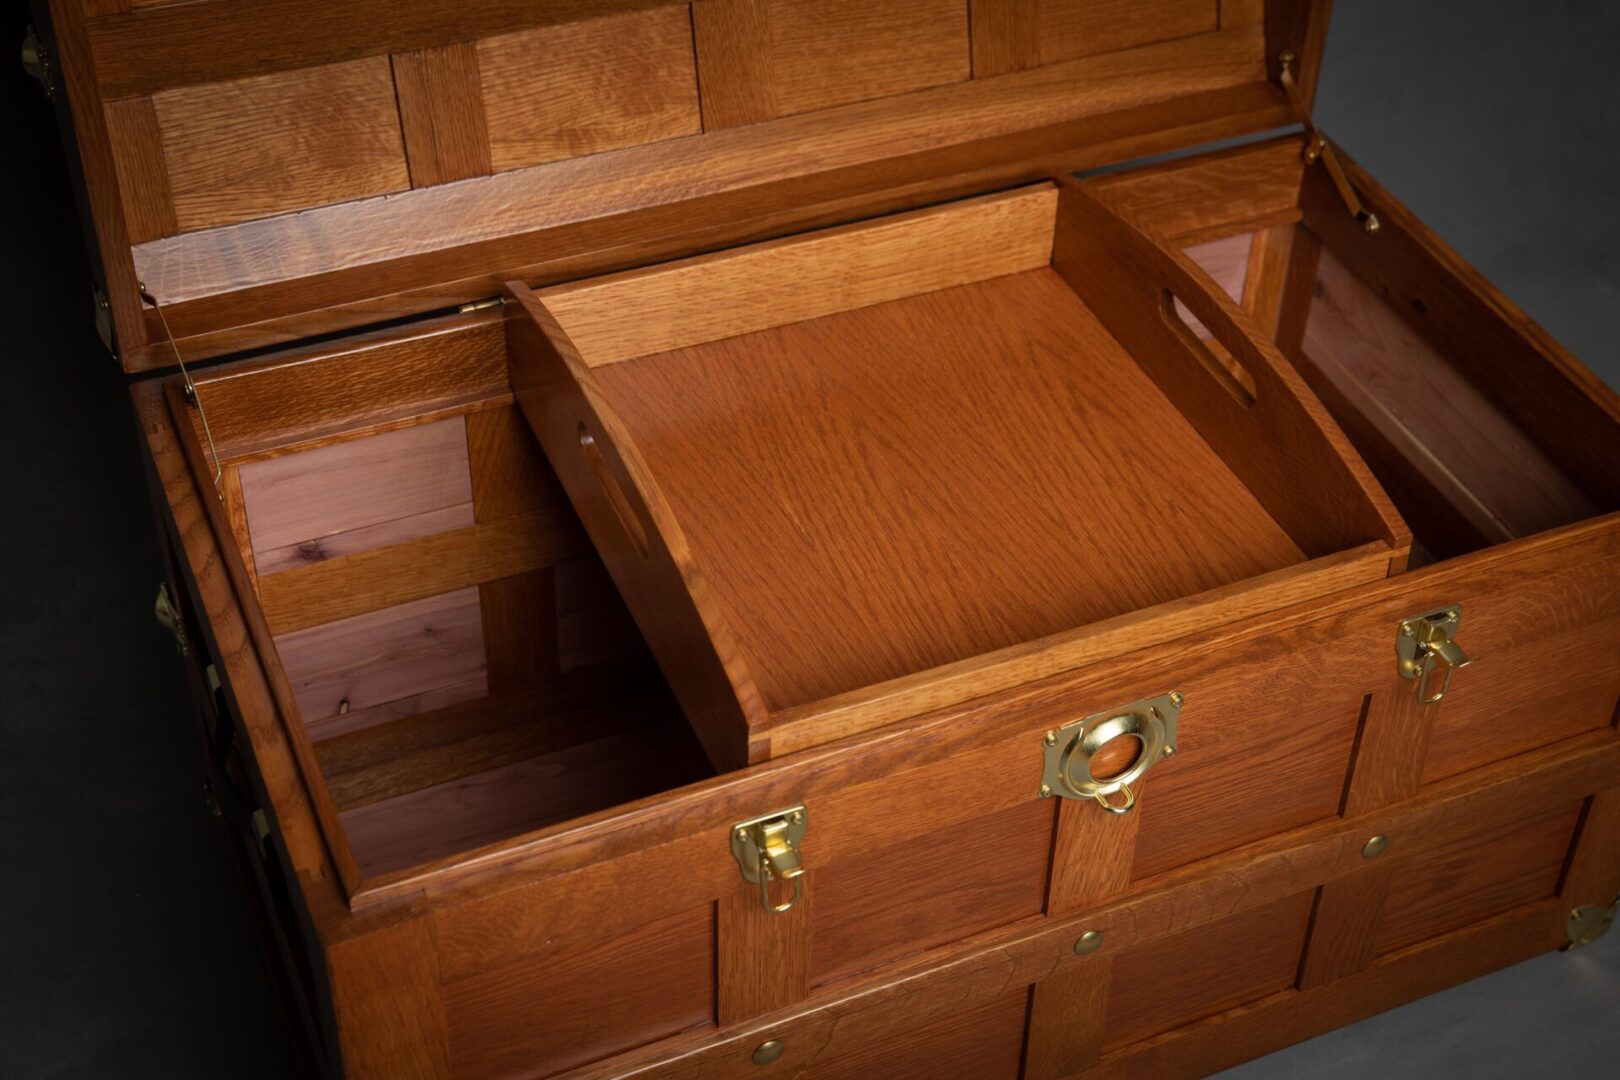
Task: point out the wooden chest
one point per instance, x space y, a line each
704 551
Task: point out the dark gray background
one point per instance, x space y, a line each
127 952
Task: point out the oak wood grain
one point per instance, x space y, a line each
349 586
1593 871
831 562
583 88
1006 36
385 991
732 39
1073 28
271 143
143 178
441 113
1123 275
833 52
710 297
580 1005
763 957
1202 972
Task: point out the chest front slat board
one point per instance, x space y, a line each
845 490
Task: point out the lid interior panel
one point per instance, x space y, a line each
323 170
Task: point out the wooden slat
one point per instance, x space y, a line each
230 492
263 145
520 628
382 577
1006 36
1242 12
1344 923
143 178
365 383
384 655
1593 874
441 114
798 278
735 76
764 958
1210 195
1265 278
1072 28
833 52
569 91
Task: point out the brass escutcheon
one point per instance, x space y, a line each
1070 749
767 848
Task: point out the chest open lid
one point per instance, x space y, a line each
307 168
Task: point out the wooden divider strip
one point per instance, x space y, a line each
369 580
736 84
441 113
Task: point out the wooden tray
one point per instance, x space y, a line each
823 466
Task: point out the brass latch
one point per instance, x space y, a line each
1317 147
168 616
1071 748
1425 642
767 848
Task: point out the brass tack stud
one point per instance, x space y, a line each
768 1051
1088 942
1375 847
1045 792
1051 738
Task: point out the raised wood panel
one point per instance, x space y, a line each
917 892
1472 878
273 143
584 1004
1074 28
833 52
441 114
143 176
981 1040
1187 976
385 655
582 88
353 496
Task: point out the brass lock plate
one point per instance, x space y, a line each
1589 922
1069 750
1425 642
767 848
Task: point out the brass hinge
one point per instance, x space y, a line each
190 387
1319 149
36 61
481 305
167 614
1425 642
767 848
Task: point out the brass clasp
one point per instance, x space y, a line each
1425 642
767 848
1069 751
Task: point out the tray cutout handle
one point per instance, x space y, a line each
1226 369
